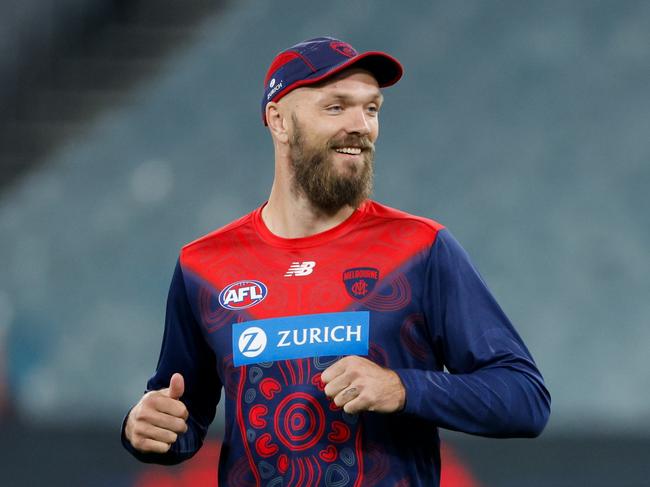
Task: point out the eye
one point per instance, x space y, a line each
373 109
334 108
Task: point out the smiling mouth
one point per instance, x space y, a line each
354 151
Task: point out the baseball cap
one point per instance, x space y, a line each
317 59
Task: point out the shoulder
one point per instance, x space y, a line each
402 219
221 236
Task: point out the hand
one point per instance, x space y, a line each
156 421
357 384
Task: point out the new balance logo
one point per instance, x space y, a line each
301 268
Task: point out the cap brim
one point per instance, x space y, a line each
385 68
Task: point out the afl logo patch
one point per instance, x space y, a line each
242 294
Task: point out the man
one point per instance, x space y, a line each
328 318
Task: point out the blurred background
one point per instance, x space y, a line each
129 128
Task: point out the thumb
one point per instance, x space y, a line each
176 386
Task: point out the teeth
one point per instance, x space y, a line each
349 150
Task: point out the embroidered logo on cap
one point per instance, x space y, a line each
343 48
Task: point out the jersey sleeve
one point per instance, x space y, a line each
184 350
492 387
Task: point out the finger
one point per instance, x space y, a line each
176 386
346 396
168 422
337 385
173 407
355 406
151 432
333 371
147 445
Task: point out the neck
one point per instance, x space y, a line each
289 215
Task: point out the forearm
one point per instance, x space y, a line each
496 401
184 356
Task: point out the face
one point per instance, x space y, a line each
333 130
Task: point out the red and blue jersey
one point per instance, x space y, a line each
260 317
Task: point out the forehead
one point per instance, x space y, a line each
350 83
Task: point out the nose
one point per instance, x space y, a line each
358 122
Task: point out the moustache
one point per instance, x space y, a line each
361 142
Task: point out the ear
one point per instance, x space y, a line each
277 122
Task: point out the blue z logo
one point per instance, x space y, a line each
252 342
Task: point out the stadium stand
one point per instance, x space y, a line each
520 125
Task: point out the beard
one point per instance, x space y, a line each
315 175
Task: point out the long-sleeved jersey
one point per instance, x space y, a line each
261 317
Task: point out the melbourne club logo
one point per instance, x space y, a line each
300 268
343 48
360 281
242 294
252 342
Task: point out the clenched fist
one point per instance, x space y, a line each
159 417
357 384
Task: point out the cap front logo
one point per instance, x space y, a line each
272 83
343 48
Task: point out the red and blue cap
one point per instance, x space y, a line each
315 60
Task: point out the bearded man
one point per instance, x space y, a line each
329 319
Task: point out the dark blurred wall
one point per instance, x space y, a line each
31 29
